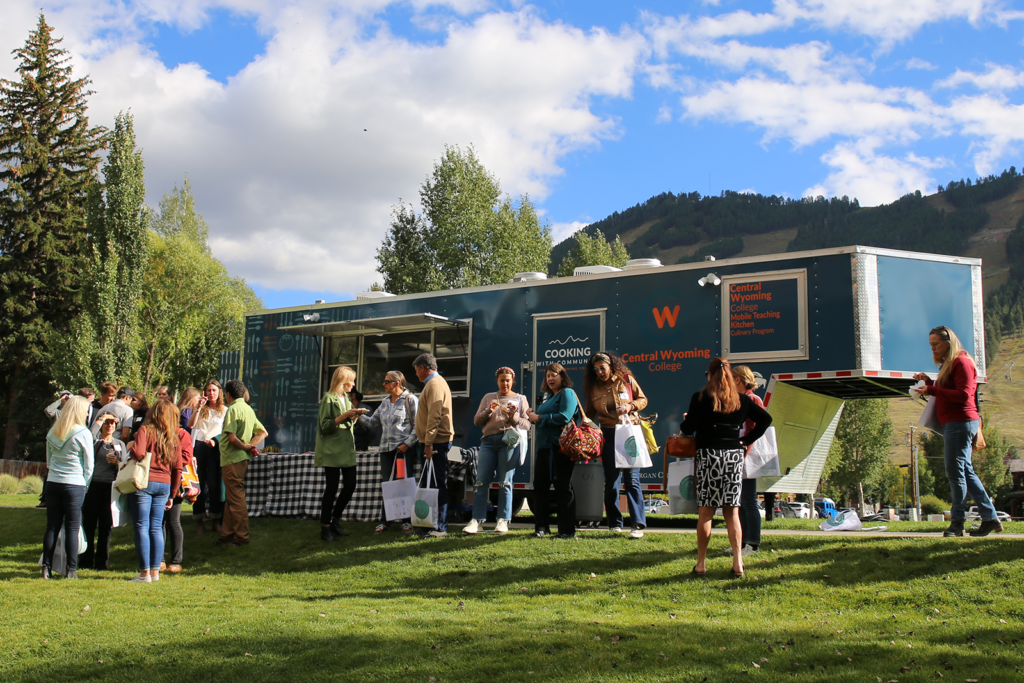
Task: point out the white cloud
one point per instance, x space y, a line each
562 231
918 64
996 77
860 171
297 194
664 114
996 125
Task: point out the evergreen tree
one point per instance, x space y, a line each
467 235
593 251
48 159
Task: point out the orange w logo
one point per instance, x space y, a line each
664 315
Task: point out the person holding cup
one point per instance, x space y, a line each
206 423
336 450
500 411
109 452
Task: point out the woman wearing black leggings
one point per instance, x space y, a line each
336 451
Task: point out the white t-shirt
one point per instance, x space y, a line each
209 427
121 411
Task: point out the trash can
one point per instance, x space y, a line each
588 488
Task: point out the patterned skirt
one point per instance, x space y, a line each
719 476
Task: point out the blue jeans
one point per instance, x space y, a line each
957 438
750 517
440 458
63 509
613 479
494 463
148 513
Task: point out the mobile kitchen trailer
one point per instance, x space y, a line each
819 326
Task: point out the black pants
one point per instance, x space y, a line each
208 469
63 508
174 538
96 513
348 487
552 465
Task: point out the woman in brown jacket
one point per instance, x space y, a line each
611 392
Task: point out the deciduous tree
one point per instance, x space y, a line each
467 234
593 251
860 448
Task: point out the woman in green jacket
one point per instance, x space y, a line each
336 451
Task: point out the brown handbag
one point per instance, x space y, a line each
679 446
979 440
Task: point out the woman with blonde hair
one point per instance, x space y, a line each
206 423
69 468
716 415
956 407
750 516
158 436
187 405
336 450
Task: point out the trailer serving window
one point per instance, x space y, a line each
375 346
764 316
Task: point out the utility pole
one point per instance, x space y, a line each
916 486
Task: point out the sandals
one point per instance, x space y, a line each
697 573
737 575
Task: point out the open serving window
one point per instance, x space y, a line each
375 346
764 316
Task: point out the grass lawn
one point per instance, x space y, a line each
513 608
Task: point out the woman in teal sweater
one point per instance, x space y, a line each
69 467
336 451
551 417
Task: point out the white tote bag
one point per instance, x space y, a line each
399 496
60 559
761 454
929 420
118 508
844 521
424 507
630 446
682 494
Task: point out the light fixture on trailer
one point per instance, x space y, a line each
710 277
311 317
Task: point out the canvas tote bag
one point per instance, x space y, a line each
630 445
424 506
399 495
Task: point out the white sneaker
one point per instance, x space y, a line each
501 527
749 550
155 576
434 533
473 527
141 579
637 532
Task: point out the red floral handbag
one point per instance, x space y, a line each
581 442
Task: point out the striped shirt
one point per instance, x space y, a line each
396 427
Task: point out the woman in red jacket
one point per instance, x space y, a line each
956 407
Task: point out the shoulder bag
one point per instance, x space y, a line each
133 475
583 441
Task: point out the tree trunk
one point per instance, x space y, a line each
860 497
13 432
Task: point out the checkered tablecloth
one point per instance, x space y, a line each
257 483
288 485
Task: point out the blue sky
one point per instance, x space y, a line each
300 123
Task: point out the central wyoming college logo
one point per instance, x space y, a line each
666 316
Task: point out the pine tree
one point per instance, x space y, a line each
48 159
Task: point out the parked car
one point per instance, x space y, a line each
973 514
655 506
785 511
826 507
802 510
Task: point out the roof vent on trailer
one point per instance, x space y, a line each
529 277
594 270
372 294
638 263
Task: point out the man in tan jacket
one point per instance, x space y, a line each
434 431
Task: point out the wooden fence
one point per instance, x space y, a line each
23 468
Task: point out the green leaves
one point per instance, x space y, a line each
593 251
465 236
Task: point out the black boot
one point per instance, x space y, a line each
337 530
955 529
988 527
326 535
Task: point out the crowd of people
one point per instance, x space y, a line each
206 436
212 434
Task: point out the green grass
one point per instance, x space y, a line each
383 608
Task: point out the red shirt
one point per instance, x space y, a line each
956 403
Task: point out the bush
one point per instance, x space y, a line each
9 484
32 484
933 505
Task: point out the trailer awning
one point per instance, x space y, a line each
848 384
365 326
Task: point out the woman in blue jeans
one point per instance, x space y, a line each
956 407
69 463
159 436
500 412
612 392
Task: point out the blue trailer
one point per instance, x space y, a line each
818 326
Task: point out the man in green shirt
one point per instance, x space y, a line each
237 445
